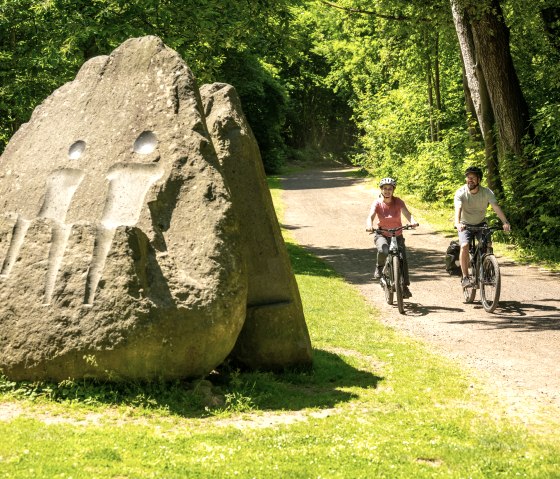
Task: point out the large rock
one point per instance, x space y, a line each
119 251
275 334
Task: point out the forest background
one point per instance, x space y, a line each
416 89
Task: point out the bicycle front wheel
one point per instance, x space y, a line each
398 283
490 283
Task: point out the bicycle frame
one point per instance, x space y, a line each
479 247
484 268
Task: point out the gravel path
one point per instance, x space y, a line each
516 350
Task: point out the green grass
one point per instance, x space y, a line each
375 405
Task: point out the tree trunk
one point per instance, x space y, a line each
437 88
477 94
434 95
494 67
437 82
491 41
551 20
430 99
472 124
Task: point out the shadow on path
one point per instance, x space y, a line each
320 180
520 317
356 265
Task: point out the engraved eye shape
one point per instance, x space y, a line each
76 150
145 143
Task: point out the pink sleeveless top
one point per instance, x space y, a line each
389 216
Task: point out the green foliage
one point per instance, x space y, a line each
384 58
535 53
543 197
386 82
264 102
43 44
319 113
384 62
433 175
394 124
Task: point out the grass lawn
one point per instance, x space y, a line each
375 405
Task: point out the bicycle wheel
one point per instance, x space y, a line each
490 283
398 283
388 283
470 291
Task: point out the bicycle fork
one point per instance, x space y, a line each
476 264
386 275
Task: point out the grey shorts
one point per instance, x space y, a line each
465 235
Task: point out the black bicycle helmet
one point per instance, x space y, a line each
388 181
474 169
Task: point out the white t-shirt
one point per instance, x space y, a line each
473 207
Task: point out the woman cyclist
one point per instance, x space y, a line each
388 209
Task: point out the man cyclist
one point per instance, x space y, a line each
388 209
471 202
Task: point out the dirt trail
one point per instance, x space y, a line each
516 349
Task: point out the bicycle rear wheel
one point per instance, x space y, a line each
490 283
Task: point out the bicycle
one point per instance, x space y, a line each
392 278
483 268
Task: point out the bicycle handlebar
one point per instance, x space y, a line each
394 230
483 228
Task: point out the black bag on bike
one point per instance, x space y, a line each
452 265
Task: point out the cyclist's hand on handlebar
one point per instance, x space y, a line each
460 226
369 230
507 227
414 225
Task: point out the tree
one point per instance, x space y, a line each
477 98
491 41
485 47
551 19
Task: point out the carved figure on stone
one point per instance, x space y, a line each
119 250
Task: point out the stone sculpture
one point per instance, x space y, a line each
121 254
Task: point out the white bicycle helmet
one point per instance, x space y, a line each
388 181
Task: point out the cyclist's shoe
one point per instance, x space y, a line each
406 293
466 282
377 273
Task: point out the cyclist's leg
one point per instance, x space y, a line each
464 239
382 244
464 258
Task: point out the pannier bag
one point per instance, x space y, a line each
452 265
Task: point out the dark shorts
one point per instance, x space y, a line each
465 235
